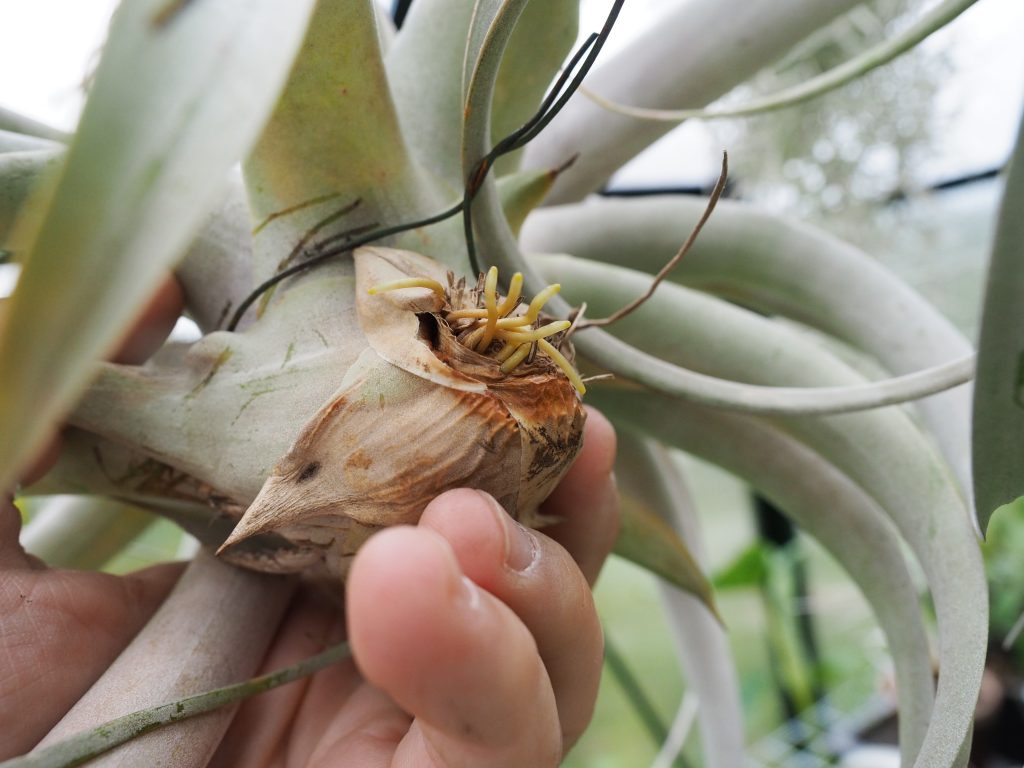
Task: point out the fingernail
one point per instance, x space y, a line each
520 543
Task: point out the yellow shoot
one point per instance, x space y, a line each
515 358
481 314
506 352
540 300
409 282
492 321
491 304
473 338
463 314
523 337
513 322
515 290
574 378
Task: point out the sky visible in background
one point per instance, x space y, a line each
48 46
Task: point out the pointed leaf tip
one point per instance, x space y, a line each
648 541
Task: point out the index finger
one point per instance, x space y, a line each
586 502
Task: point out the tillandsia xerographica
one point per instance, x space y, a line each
326 397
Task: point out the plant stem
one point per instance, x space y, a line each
635 693
18 123
82 531
834 78
85 746
213 629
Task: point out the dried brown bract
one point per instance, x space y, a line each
457 388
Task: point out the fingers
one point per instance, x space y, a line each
586 501
535 577
44 674
295 718
451 654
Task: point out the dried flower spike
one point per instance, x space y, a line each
442 358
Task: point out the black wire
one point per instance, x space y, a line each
552 104
595 49
322 257
557 97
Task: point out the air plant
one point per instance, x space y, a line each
359 354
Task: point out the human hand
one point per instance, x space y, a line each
475 642
61 629
467 650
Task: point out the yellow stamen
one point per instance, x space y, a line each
523 337
516 358
491 304
559 359
409 282
515 289
540 300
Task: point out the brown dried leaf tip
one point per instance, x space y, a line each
459 387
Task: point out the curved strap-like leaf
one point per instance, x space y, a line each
82 531
881 451
651 371
425 67
216 272
521 193
20 172
837 77
693 54
14 122
542 38
177 99
646 474
998 441
491 27
635 364
334 138
822 501
776 266
19 142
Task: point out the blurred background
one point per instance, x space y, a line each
904 163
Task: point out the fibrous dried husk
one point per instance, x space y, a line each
417 414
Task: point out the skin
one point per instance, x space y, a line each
475 641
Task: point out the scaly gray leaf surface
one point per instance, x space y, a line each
881 451
776 266
176 101
998 442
